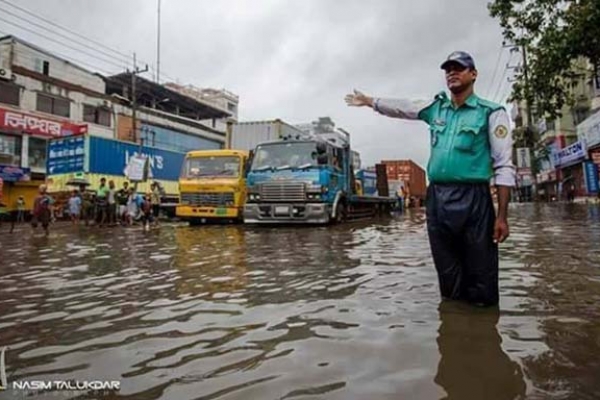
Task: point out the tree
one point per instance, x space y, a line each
555 34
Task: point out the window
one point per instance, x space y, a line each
198 167
96 115
10 93
46 68
53 105
37 153
10 150
231 107
579 115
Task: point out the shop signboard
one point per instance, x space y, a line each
66 155
589 130
20 122
111 157
14 174
591 177
523 157
570 155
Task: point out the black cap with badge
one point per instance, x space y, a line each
460 57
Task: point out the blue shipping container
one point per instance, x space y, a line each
110 157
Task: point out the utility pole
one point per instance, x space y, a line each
528 128
527 102
158 47
136 70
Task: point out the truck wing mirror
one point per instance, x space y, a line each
321 148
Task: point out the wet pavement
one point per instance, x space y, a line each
344 312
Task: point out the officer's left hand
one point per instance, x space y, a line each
500 230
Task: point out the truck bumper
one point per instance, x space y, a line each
305 213
188 213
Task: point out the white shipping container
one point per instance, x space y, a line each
247 135
394 186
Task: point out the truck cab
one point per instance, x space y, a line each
298 181
212 186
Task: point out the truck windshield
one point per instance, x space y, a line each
206 167
285 155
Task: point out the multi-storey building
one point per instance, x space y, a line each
43 96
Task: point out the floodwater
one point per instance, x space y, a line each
344 312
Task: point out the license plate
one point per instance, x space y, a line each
282 210
221 211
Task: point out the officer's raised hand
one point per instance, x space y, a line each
359 99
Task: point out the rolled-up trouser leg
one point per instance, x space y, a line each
460 223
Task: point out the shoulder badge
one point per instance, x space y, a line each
500 132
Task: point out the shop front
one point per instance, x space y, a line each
570 162
548 185
589 132
23 152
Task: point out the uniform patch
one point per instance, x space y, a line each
500 132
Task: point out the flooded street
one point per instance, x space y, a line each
344 312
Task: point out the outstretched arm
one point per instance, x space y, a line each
395 108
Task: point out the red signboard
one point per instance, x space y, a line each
20 122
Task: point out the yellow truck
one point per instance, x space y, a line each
212 186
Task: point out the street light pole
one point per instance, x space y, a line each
158 47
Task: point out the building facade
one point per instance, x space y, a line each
560 157
44 97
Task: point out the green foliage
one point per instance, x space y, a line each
555 33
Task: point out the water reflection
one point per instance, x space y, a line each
336 312
473 364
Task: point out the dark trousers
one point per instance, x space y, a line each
460 223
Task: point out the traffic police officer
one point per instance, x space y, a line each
470 144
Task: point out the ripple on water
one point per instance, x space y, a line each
349 311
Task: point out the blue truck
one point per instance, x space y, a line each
309 180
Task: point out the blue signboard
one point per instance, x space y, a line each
66 155
570 155
110 157
591 177
14 174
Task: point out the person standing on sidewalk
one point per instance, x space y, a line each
112 204
101 202
20 210
42 214
122 196
75 207
155 201
470 143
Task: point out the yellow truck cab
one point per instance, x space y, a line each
212 186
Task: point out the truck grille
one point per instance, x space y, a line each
282 191
207 199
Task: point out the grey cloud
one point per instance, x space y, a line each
297 59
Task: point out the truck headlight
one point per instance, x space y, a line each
313 196
254 196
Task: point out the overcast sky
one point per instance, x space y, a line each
290 59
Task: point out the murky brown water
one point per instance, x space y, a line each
347 312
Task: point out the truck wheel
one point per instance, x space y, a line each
340 213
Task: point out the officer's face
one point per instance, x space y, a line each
459 78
